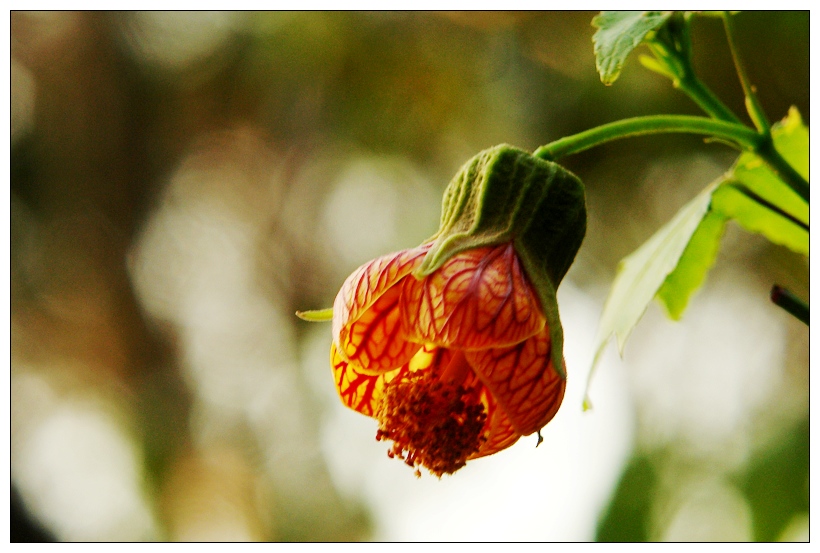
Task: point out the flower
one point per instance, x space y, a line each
455 347
454 366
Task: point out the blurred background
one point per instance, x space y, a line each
181 183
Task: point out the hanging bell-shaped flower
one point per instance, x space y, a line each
455 346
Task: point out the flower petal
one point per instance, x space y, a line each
360 391
479 298
500 433
523 381
366 322
498 430
363 392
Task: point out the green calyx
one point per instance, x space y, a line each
504 195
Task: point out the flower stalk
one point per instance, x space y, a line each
736 135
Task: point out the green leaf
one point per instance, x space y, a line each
674 262
791 139
618 34
754 217
654 65
697 259
734 198
316 316
642 272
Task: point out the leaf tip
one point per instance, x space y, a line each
316 316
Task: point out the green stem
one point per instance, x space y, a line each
705 98
738 136
791 303
752 103
673 51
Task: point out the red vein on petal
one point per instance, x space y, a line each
363 288
479 298
500 432
523 381
374 341
360 391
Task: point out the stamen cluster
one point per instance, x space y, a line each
433 424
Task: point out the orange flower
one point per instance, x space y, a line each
454 365
455 347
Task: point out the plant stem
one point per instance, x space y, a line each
673 52
738 136
705 98
791 303
752 103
